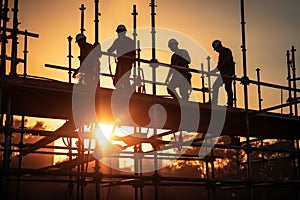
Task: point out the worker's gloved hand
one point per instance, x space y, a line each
75 73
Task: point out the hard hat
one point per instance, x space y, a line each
216 43
121 28
172 41
79 36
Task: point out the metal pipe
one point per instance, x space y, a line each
3 40
153 63
209 78
34 35
203 84
138 58
70 184
25 52
136 167
245 77
1 5
82 178
70 58
234 92
141 173
134 14
213 173
294 160
276 107
294 79
238 163
82 8
153 31
20 158
1 68
7 151
269 85
297 158
97 180
262 159
281 101
139 67
97 14
14 35
289 81
258 88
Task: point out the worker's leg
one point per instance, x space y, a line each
184 89
125 80
215 93
171 88
117 74
228 89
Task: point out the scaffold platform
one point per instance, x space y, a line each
53 99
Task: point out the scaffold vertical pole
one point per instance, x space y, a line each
82 178
202 82
154 67
209 78
141 174
20 156
3 183
293 64
3 39
136 171
213 173
97 14
7 150
82 9
70 58
289 81
4 20
97 179
245 82
70 185
14 35
25 52
134 14
258 88
154 60
207 171
1 6
141 87
234 92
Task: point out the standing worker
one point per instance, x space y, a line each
226 66
125 48
179 78
89 70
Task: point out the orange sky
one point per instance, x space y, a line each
272 26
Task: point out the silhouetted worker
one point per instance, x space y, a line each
226 66
180 58
90 69
125 48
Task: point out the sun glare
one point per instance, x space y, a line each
104 140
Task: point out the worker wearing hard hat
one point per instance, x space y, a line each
226 66
90 67
179 78
125 48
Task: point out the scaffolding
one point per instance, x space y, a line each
250 138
